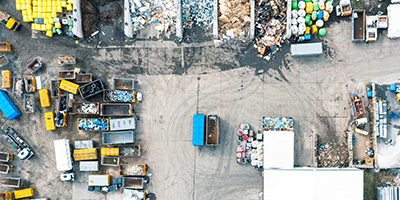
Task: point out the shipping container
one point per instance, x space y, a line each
91 89
84 78
30 84
44 98
99 180
11 182
5 168
116 109
119 124
69 86
107 151
132 169
49 118
123 84
6 79
88 166
306 49
212 130
66 74
18 87
8 107
29 103
18 194
118 137
199 123
85 154
110 161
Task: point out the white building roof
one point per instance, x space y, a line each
394 19
313 184
278 149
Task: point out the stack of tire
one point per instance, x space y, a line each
309 17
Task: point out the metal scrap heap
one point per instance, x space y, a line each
197 12
161 13
270 26
332 154
234 20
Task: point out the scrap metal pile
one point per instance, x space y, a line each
249 147
331 154
277 123
234 20
161 13
197 12
270 26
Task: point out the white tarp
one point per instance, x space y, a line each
278 149
63 155
394 21
313 184
77 19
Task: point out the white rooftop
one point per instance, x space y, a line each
278 149
394 18
313 184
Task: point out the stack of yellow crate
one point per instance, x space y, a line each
44 13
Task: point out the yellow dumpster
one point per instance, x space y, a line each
69 86
85 154
6 79
44 98
109 151
6 195
49 118
18 194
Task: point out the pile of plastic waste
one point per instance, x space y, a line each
197 12
249 147
93 124
119 95
330 154
277 123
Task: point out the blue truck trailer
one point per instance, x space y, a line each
8 107
199 124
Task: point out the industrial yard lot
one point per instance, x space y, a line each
178 80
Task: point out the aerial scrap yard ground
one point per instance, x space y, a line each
178 80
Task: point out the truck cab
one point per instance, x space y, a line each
25 154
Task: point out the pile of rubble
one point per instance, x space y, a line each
332 154
249 147
234 20
161 13
270 26
197 12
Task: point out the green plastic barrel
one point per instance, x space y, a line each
316 6
322 32
309 23
307 17
314 15
294 5
54 29
59 31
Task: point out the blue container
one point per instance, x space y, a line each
369 93
320 15
392 87
8 107
199 127
393 115
307 37
41 21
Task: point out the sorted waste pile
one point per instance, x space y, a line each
161 13
309 16
249 147
119 95
93 124
47 15
331 154
277 123
270 26
234 20
197 12
88 108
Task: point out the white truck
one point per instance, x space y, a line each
63 159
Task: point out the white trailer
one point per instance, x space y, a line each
63 155
119 124
394 18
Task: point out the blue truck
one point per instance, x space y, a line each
199 123
8 107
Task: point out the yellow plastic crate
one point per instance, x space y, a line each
34 3
51 21
29 11
18 194
22 1
35 9
42 27
58 3
24 12
48 15
17 1
57 25
64 4
54 9
44 3
69 7
48 8
49 33
49 118
59 9
53 14
49 3
39 9
40 3
28 1
18 6
30 18
49 27
25 18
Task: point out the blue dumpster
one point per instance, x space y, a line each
8 107
199 125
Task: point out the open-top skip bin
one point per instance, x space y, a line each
30 84
66 74
18 87
116 109
93 124
84 78
66 60
34 66
55 88
29 103
88 108
123 84
132 169
3 61
118 137
119 95
91 89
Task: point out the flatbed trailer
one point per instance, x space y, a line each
132 169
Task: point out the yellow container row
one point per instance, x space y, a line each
42 27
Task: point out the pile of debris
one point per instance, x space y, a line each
249 147
234 20
92 124
119 95
161 13
88 108
270 26
107 17
330 154
197 12
277 123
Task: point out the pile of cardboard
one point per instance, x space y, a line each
234 20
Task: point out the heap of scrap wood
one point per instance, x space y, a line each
234 20
270 26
